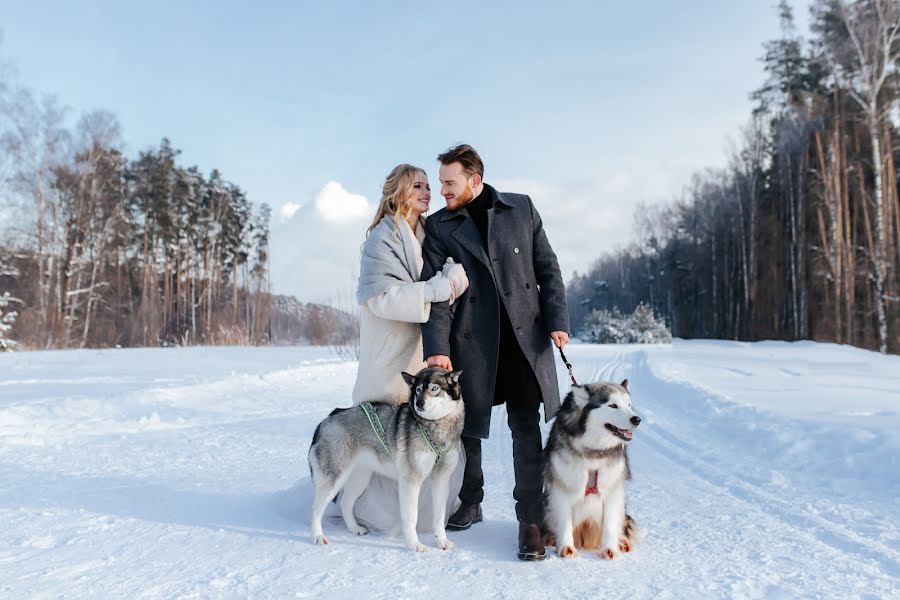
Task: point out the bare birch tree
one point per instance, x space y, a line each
862 42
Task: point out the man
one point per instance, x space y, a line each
497 332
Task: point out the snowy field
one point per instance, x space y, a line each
764 470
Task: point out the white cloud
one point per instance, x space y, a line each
288 210
315 245
337 205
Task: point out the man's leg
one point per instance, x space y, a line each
472 492
523 417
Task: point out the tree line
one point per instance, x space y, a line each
799 236
101 250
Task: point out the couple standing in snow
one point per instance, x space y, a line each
475 287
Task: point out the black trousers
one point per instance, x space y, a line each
518 388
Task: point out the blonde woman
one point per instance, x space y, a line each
393 304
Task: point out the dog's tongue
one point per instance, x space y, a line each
627 433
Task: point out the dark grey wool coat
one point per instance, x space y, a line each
518 268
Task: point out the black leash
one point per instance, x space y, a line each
568 366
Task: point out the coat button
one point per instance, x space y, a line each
527 286
516 250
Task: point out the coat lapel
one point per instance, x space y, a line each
495 228
501 199
467 235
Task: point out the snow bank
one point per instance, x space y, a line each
760 470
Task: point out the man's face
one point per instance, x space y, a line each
456 187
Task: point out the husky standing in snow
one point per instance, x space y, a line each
585 470
408 443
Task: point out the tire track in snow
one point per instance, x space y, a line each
682 454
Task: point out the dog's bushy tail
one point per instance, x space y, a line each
630 530
312 448
315 437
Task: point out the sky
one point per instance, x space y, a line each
591 108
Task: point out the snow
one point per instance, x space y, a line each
762 470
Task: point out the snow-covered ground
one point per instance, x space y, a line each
760 470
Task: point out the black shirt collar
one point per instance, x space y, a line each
484 200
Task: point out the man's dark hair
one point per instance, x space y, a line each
465 155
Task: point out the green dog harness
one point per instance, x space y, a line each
378 430
439 453
377 427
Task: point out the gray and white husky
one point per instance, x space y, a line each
585 470
408 443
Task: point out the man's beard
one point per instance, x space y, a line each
461 200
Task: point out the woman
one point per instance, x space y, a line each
393 302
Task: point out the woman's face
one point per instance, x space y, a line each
421 195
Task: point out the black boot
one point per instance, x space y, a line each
531 546
465 517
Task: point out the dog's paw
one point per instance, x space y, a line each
320 540
625 545
568 551
608 554
358 530
417 546
445 544
550 540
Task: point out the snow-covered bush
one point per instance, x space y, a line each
647 328
604 326
7 318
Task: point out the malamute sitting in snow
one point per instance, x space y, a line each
406 443
585 470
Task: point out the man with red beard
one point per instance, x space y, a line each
499 331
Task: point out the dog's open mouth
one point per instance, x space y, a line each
622 434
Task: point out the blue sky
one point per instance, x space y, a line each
590 107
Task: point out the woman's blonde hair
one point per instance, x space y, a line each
396 195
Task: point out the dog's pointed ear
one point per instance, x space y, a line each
454 376
409 379
624 384
581 395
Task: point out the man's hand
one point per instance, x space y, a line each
560 338
440 360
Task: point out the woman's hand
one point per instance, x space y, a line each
438 289
456 274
